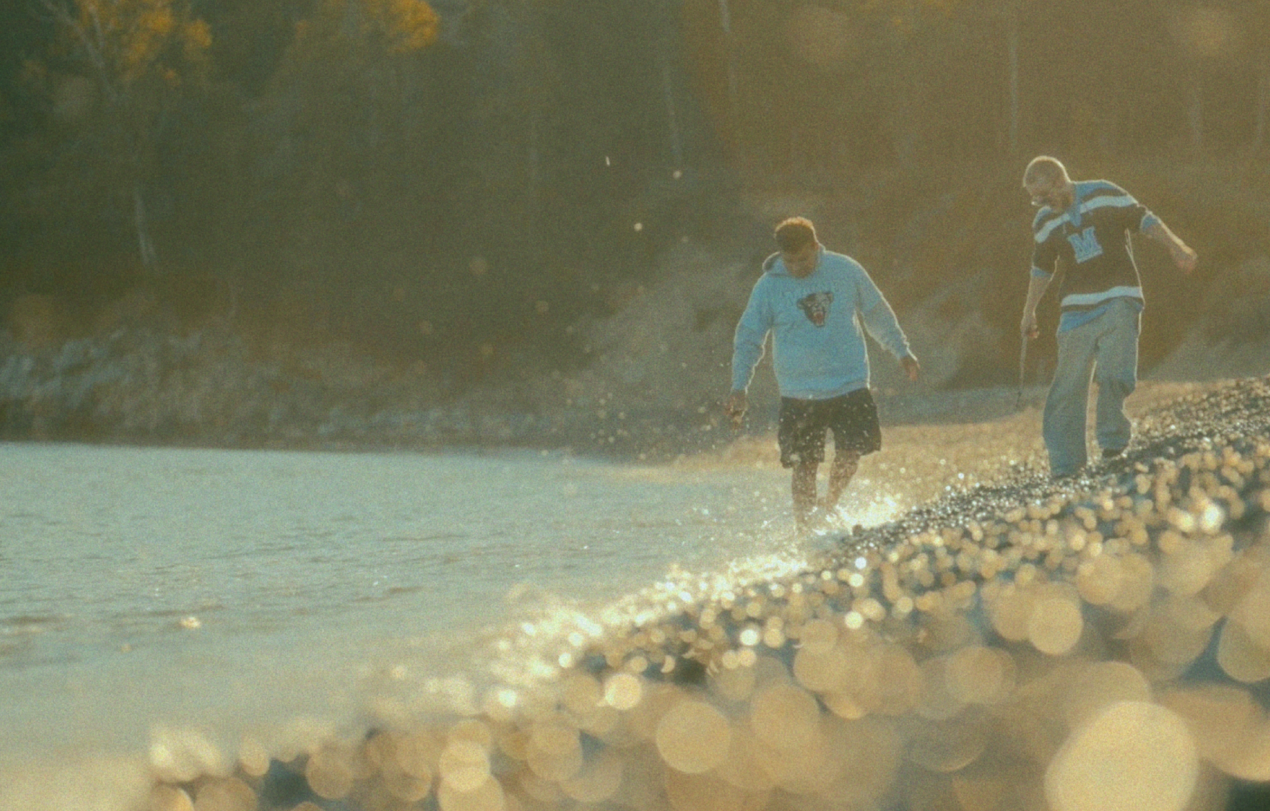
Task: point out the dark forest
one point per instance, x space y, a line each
456 184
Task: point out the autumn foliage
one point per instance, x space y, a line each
127 40
465 190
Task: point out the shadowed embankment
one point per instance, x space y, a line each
1097 643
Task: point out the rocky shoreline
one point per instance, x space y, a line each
1091 644
1095 643
207 388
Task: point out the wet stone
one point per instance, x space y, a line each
1095 643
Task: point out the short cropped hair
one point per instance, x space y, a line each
794 234
1043 167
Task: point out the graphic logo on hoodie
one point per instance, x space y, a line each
816 307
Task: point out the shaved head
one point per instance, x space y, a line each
1043 168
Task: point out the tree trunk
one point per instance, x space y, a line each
1012 49
1263 101
145 246
725 21
120 105
533 167
903 108
1195 116
672 120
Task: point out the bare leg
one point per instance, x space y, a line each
804 489
845 464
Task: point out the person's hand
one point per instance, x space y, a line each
911 367
1029 328
735 407
1184 257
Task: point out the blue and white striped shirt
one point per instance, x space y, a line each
1092 240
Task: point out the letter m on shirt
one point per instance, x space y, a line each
1085 244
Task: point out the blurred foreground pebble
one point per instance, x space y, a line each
1101 643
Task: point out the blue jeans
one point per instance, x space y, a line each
1105 349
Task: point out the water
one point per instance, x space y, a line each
245 591
161 601
226 631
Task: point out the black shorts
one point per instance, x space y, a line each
853 418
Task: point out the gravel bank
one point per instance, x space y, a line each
1097 643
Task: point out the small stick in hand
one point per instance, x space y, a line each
735 407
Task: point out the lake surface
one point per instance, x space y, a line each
245 592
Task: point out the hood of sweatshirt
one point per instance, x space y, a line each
776 267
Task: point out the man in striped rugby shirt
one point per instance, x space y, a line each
1085 226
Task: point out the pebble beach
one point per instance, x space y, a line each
1101 642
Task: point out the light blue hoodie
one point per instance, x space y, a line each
818 325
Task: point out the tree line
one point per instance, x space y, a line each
460 180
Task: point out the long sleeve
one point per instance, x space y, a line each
879 319
751 332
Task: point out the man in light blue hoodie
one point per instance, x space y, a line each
817 304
